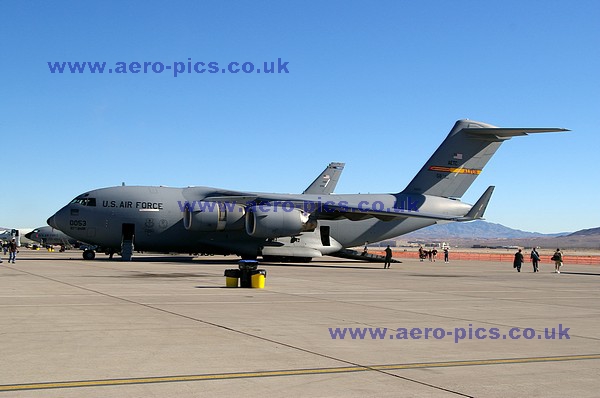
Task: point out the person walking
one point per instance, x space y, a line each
518 260
535 259
558 260
388 257
365 251
12 251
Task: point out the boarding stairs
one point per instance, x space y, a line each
127 249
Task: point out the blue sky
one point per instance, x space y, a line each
377 85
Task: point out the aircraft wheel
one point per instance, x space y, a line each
89 255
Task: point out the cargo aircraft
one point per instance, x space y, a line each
293 227
49 236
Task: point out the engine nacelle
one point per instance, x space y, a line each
267 221
213 216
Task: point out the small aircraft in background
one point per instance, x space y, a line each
7 234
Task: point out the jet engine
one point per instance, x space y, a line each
266 221
213 216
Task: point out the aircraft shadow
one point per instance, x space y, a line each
343 264
579 273
440 276
142 275
317 266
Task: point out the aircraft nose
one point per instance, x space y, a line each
60 219
52 222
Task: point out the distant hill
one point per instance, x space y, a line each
586 232
479 232
475 230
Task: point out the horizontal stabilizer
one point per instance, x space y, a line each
506 133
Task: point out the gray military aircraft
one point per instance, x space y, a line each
286 226
50 236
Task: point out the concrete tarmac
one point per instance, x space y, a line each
166 326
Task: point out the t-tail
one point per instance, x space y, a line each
453 167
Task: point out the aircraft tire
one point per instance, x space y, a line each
89 255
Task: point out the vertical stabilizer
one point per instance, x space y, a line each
453 167
325 183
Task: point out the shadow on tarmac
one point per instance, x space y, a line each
579 273
317 266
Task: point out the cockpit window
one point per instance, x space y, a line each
85 201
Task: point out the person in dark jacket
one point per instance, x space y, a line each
535 259
518 260
388 257
12 251
558 260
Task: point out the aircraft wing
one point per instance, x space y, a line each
333 211
239 199
329 212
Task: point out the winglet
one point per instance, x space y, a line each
479 207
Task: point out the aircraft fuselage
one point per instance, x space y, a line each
155 218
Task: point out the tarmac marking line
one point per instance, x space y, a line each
241 375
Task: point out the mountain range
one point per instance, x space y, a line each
477 230
491 234
586 232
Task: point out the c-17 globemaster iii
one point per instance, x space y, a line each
49 236
285 226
